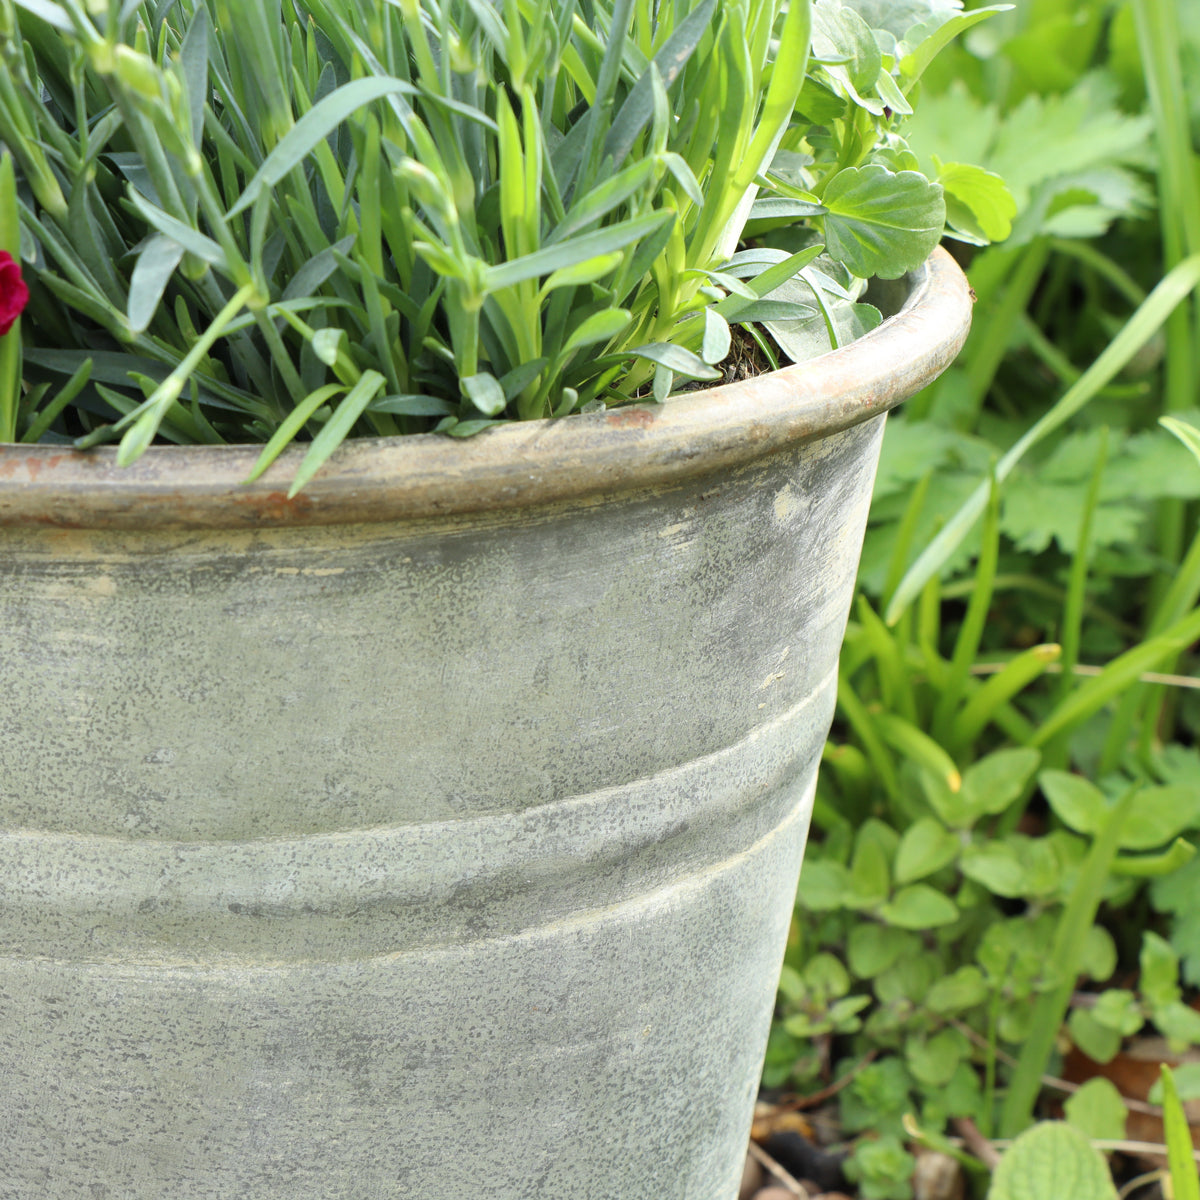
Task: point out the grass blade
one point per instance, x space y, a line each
1140 327
337 428
312 128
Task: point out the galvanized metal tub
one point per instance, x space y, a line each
437 830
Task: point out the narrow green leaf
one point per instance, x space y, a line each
675 358
411 405
1185 1182
914 743
53 14
151 273
193 59
318 269
779 208
514 382
670 60
326 343
1150 866
291 425
316 124
588 271
1115 678
1185 431
599 327
337 428
573 251
192 240
603 199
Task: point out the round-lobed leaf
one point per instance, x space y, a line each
1052 1161
882 222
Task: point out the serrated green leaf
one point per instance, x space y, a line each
1159 815
1179 1024
924 42
1159 967
1117 1008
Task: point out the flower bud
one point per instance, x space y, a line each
138 72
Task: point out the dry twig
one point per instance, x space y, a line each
788 1181
976 1142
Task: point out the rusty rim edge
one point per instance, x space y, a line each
511 466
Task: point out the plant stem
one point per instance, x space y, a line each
1066 955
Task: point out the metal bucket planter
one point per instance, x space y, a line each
438 830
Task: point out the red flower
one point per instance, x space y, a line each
14 295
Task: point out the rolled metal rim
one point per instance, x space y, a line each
518 465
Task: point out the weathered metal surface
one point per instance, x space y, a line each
404 857
523 464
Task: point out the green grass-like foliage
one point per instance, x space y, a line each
304 219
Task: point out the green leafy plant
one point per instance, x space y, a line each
956 887
1023 601
315 219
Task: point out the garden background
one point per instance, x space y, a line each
999 913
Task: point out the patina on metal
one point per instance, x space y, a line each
435 831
